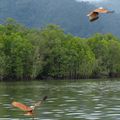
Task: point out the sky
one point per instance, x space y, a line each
110 4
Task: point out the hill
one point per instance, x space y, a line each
69 14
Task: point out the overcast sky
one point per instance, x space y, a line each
111 4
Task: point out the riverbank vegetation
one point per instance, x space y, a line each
27 53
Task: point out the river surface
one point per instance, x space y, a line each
67 100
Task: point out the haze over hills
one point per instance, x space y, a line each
69 14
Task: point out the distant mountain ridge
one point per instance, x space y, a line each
69 14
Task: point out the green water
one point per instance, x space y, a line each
67 100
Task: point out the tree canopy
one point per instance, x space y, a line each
27 53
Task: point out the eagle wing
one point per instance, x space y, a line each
40 102
93 16
21 106
102 10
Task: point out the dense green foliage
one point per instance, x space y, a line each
50 53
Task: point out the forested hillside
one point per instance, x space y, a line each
69 14
51 53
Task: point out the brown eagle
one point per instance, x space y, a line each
29 110
94 15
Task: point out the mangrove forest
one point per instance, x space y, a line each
50 53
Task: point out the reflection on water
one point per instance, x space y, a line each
68 100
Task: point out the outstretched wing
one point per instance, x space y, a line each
93 16
102 10
21 106
40 102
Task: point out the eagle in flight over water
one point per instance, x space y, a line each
94 15
29 110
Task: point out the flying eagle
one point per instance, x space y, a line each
29 110
94 15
